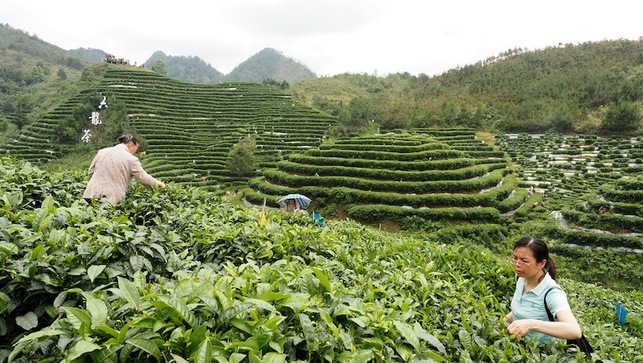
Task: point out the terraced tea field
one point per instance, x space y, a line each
571 166
584 188
428 179
422 179
189 129
595 182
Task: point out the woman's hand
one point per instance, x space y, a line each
520 328
508 319
566 328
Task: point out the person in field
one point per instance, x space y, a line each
536 276
112 170
291 205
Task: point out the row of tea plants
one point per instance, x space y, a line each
594 187
178 275
187 129
407 180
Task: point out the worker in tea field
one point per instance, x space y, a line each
291 205
112 170
536 274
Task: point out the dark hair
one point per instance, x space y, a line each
539 248
126 138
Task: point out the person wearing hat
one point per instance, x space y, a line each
112 170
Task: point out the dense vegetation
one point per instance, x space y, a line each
34 76
594 87
180 275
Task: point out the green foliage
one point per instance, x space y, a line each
273 83
61 74
20 105
177 274
241 159
560 88
37 74
344 124
159 67
610 268
623 117
115 123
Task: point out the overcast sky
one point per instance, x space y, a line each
328 36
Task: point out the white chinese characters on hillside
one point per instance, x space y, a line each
87 136
103 104
95 117
95 120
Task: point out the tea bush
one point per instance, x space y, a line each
179 275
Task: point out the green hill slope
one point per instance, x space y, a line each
186 69
188 129
270 64
594 87
33 74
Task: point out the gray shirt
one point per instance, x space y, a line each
112 170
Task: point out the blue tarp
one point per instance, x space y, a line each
318 219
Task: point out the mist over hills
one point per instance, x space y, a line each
270 64
267 64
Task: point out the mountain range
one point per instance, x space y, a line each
267 64
592 87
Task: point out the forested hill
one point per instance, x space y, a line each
33 74
594 87
186 69
266 65
270 64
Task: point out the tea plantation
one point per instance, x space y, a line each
180 275
187 129
427 180
592 190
